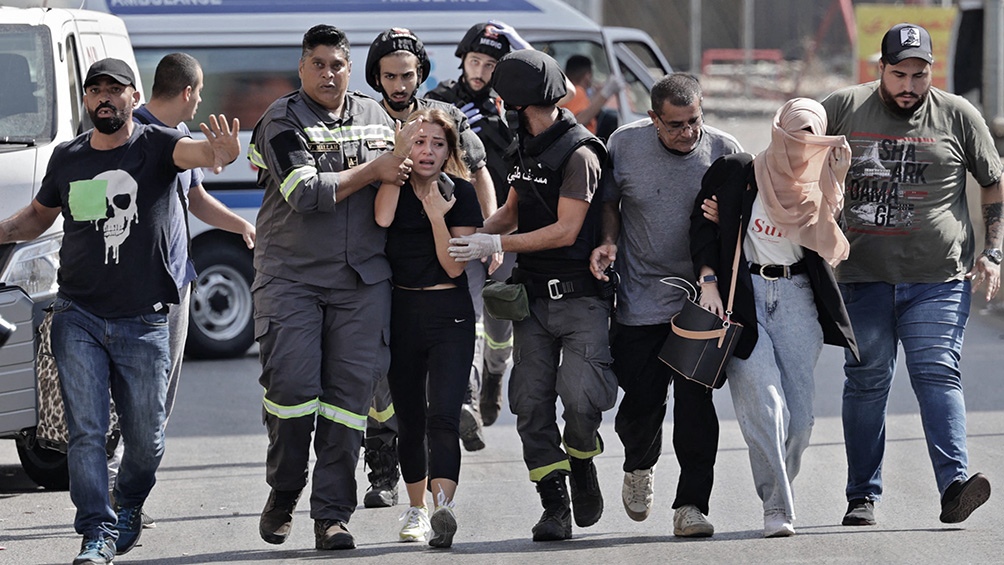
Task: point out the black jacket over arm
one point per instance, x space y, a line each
732 180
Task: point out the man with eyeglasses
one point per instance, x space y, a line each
652 175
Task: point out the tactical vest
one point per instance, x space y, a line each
494 132
537 180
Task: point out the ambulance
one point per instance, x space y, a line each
44 56
249 51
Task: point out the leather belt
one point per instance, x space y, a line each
774 272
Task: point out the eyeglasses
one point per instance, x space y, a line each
677 128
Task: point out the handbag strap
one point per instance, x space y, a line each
735 273
700 334
722 332
682 284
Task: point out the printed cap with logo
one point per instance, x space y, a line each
480 39
115 69
906 41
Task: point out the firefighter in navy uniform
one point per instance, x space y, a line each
396 65
322 283
479 51
551 220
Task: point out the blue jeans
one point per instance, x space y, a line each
129 357
773 389
929 320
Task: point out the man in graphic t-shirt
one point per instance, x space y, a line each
114 186
913 263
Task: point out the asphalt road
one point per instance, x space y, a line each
211 487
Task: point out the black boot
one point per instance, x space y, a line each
491 398
471 433
381 458
587 500
277 517
556 521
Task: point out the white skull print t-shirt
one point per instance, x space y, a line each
116 208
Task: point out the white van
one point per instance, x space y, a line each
250 53
44 56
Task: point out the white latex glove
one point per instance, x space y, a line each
612 86
475 246
515 41
473 115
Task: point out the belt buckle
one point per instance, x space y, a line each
764 275
552 289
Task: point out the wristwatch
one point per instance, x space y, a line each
993 254
709 279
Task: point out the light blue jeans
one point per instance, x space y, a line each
772 391
128 357
929 320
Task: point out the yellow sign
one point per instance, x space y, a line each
873 20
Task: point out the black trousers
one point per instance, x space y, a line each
431 347
645 381
968 65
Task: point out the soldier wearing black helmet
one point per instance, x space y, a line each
396 65
479 51
551 220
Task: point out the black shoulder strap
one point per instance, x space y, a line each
556 155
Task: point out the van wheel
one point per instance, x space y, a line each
220 321
47 467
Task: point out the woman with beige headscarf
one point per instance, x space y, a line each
784 205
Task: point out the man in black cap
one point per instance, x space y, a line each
561 348
912 265
115 186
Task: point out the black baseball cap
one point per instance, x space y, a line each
906 41
115 69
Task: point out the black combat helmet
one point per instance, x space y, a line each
394 39
529 78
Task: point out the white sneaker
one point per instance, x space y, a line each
777 525
444 522
444 525
416 524
638 492
689 522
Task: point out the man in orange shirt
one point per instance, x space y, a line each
587 110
